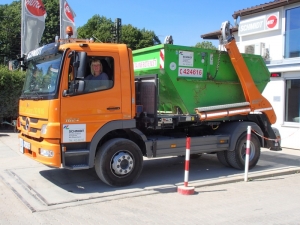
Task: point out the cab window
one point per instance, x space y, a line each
99 74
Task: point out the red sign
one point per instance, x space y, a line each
35 7
68 12
275 74
272 21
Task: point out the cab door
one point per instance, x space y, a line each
82 115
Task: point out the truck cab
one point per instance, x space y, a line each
59 111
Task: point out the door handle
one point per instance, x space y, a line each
113 108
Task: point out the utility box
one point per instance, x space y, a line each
190 77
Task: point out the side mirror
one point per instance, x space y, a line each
76 87
79 64
13 65
80 87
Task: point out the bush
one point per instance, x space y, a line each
11 84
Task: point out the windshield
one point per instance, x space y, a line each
42 77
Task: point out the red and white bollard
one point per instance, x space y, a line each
247 153
185 190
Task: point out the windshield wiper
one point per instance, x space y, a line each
38 97
26 95
22 97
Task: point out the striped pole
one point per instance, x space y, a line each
187 161
185 190
247 153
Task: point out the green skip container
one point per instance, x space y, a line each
190 77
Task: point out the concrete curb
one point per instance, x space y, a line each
225 180
240 178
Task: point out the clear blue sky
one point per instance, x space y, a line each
185 20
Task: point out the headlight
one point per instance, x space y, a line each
44 129
47 153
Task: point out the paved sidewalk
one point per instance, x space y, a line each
27 186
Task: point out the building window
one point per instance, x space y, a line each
292 33
292 101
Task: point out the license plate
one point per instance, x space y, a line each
24 144
21 145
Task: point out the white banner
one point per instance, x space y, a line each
33 24
67 16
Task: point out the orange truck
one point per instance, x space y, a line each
143 108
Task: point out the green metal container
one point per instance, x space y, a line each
192 77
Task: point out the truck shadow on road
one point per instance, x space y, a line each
156 172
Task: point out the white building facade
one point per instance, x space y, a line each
274 33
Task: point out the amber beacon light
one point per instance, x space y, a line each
69 31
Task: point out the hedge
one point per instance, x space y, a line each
11 84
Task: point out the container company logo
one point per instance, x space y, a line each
76 131
66 127
259 24
185 56
35 7
272 21
68 12
145 64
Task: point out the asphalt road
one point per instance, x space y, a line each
32 193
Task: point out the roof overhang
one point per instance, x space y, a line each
263 7
252 10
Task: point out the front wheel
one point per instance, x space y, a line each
237 157
119 162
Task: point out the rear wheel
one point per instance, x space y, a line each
237 157
119 162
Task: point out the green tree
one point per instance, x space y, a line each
99 27
10 31
11 83
205 44
52 23
136 39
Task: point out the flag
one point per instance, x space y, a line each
67 16
33 24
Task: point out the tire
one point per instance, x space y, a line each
237 157
222 157
119 162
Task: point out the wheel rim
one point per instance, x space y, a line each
251 152
122 163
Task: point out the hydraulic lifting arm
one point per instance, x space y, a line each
251 93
